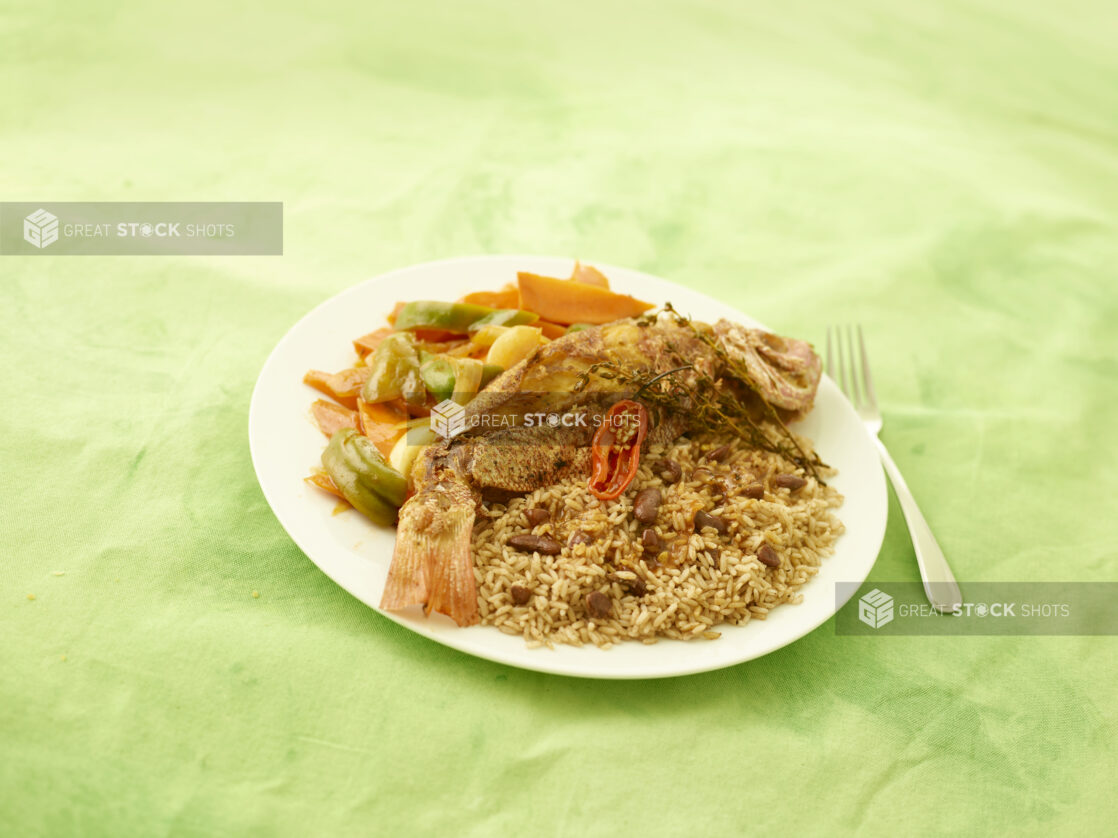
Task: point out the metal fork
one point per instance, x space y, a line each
939 582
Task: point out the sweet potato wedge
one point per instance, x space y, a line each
322 480
382 423
566 302
332 417
369 343
343 387
550 330
395 311
589 275
507 297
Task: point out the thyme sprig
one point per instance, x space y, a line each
710 402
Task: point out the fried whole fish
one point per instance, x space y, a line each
502 450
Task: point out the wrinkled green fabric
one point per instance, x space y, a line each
945 174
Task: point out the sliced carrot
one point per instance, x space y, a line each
507 297
369 343
343 387
550 330
382 422
589 275
392 315
322 480
320 381
562 301
332 417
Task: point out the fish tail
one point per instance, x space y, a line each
432 563
452 589
407 575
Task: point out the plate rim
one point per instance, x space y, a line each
843 592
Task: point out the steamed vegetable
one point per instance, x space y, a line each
367 344
363 476
550 330
332 417
343 387
394 372
468 373
447 317
382 423
322 480
504 317
562 301
438 375
513 346
589 275
408 446
488 373
507 297
485 336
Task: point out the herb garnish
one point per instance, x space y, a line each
708 402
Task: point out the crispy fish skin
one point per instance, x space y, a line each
554 368
523 459
432 563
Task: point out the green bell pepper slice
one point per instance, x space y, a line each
395 372
489 372
363 476
438 375
505 317
432 314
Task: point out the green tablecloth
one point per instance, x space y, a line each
946 174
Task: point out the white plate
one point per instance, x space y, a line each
355 553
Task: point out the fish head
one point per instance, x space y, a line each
784 371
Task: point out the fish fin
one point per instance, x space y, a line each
452 589
432 563
407 582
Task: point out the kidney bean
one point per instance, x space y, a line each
527 543
647 505
754 490
719 454
669 470
580 537
651 543
636 587
536 516
705 519
598 605
520 595
767 556
789 481
702 475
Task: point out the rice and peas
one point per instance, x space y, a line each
612 582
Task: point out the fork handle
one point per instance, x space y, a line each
939 582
